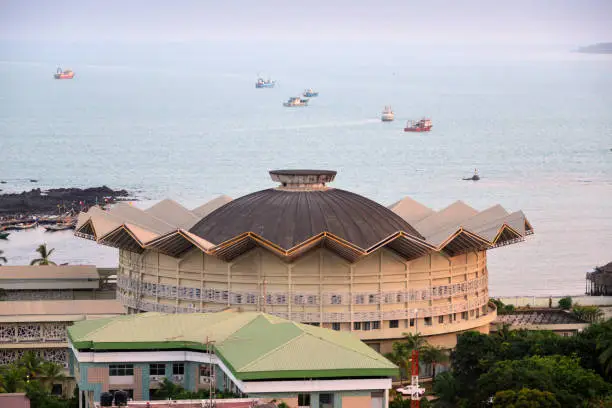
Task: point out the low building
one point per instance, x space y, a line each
599 281
251 354
56 282
40 326
555 320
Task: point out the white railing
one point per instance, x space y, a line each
226 297
326 317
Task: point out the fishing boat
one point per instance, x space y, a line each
66 74
24 226
59 227
423 125
475 176
309 93
387 115
4 235
295 101
264 83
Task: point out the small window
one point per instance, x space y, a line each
393 324
477 313
120 370
336 299
303 400
471 313
454 317
464 315
372 299
366 326
440 319
178 369
427 321
326 400
359 299
357 326
411 322
336 326
157 369
376 325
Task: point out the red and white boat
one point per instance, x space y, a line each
67 74
423 125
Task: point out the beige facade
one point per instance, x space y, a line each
379 297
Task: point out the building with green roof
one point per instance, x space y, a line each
247 353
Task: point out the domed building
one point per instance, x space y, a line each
309 252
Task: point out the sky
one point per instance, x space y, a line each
574 22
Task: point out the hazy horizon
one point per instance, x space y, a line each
426 23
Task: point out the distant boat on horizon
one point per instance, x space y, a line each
264 83
66 74
309 93
423 125
387 114
295 101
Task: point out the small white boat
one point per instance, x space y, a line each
295 101
387 115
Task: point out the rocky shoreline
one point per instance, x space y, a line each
56 201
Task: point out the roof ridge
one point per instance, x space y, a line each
346 347
273 350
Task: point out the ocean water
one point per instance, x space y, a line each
186 122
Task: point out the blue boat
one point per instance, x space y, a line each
309 93
264 83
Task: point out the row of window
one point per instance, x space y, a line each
123 370
394 324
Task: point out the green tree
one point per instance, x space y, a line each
591 314
414 341
51 373
446 389
44 256
525 398
563 376
12 379
31 363
433 355
401 358
2 258
604 346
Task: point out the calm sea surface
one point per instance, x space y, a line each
185 121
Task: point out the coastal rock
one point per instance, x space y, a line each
39 202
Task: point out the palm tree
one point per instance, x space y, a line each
11 379
51 373
44 256
414 341
433 355
2 258
31 363
400 357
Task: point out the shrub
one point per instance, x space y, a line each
565 303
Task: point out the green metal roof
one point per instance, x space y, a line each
253 345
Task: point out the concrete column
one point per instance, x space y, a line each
386 399
80 399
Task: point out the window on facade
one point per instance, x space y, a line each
367 326
471 313
477 313
312 300
359 299
120 370
393 324
178 369
336 326
303 400
372 299
464 315
206 371
326 400
454 317
440 319
411 322
336 299
375 325
427 321
251 299
356 325
157 369
484 309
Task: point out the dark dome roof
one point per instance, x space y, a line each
288 218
